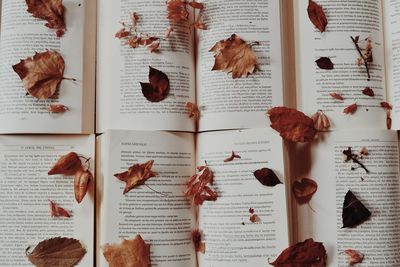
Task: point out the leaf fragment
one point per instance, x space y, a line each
304 190
57 211
193 111
67 165
177 10
267 177
325 63
198 242
232 157
302 254
56 252
158 87
254 218
200 25
130 253
386 106
354 212
57 108
292 124
82 180
351 109
321 121
317 15
235 56
199 186
368 91
337 96
354 256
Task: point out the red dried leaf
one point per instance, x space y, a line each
317 15
386 105
199 186
292 124
193 111
200 26
368 91
197 239
337 96
57 108
196 5
57 211
177 10
67 165
325 63
267 177
321 121
232 157
254 218
81 184
304 190
251 210
303 254
351 109
136 175
354 256
158 88
50 10
122 33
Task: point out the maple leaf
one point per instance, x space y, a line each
57 108
354 212
302 254
304 190
321 121
136 175
199 186
130 253
81 184
232 157
158 87
317 15
234 55
354 256
68 164
351 109
56 252
325 63
292 124
50 10
267 177
57 211
42 74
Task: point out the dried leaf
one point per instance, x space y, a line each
57 108
67 165
321 121
303 254
254 218
57 252
354 212
234 55
153 47
337 96
317 15
136 175
41 74
354 256
122 33
193 111
177 10
81 184
325 63
386 106
57 211
50 10
351 109
304 190
267 177
199 186
232 157
368 91
200 26
130 253
158 87
388 120
292 124
198 242
168 32
196 5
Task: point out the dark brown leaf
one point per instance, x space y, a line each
68 164
267 177
368 91
317 15
304 190
354 212
158 87
325 63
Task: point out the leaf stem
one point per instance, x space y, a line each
155 191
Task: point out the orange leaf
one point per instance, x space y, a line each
136 175
317 15
81 184
158 87
41 74
199 186
130 253
57 211
351 109
292 124
57 108
321 121
67 165
234 55
50 10
354 256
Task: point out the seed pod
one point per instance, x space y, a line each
81 184
321 121
67 165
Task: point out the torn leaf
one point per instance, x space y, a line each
354 212
57 211
158 87
317 15
267 177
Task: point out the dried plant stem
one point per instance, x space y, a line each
362 56
155 191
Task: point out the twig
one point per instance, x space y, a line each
362 56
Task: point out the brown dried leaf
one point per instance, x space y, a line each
199 186
325 63
197 239
234 55
267 177
57 211
193 111
354 212
153 47
122 33
351 109
303 254
177 10
254 218
56 252
196 5
386 105
81 184
130 253
368 91
67 165
304 190
321 121
232 157
337 96
41 74
136 175
158 87
317 15
354 256
50 10
57 108
292 124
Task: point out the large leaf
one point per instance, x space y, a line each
68 164
317 15
157 89
354 212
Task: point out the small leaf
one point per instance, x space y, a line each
368 91
67 165
386 105
351 109
388 120
57 252
200 26
321 121
158 87
177 10
199 186
354 256
325 63
198 242
57 211
81 184
196 5
57 108
354 212
232 157
254 218
304 190
193 111
337 96
267 177
317 15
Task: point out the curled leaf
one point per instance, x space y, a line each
267 177
232 157
337 96
68 164
57 108
292 124
81 184
354 212
41 74
321 121
158 87
50 10
304 190
235 56
199 186
368 91
354 256
351 109
198 242
130 253
302 254
325 63
386 105
57 252
317 15
57 211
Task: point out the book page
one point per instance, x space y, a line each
391 21
22 36
228 103
231 239
164 220
120 69
346 19
25 192
377 238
